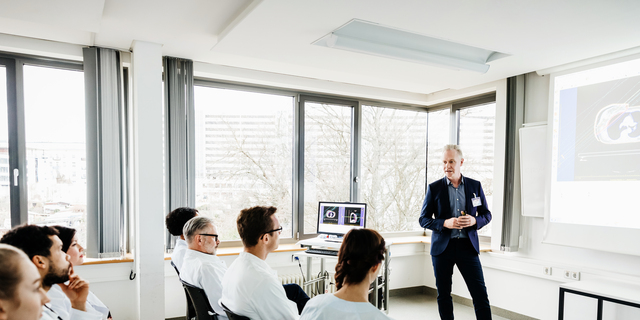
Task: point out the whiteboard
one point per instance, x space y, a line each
533 169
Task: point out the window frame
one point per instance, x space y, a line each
14 64
302 96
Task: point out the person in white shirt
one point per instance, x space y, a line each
21 293
250 287
44 248
201 267
75 251
175 222
359 261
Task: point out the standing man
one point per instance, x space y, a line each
201 267
454 210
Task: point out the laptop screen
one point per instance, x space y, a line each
340 217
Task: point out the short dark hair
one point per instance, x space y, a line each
253 223
66 235
32 239
361 249
10 274
177 218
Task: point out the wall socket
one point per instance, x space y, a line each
547 270
573 275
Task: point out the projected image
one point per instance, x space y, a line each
599 135
353 216
330 215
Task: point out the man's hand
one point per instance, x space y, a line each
77 291
466 221
452 223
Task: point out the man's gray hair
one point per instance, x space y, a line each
194 226
453 147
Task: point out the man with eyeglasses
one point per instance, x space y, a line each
251 288
201 267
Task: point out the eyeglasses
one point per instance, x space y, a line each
274 230
210 235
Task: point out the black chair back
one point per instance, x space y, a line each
191 312
231 315
199 302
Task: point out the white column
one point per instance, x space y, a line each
148 154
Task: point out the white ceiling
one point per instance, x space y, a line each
276 35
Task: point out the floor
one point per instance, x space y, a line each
424 306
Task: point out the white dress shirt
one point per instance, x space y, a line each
205 271
330 307
251 288
61 304
177 256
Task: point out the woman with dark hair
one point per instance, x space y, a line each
21 292
359 261
75 252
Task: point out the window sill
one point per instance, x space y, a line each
234 251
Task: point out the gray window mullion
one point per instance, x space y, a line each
356 144
17 146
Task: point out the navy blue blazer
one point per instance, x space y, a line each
436 209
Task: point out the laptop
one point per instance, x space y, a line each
337 218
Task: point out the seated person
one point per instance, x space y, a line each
21 293
75 251
201 267
359 260
250 287
175 221
44 249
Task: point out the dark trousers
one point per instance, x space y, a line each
460 252
297 295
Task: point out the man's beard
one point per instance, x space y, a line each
55 276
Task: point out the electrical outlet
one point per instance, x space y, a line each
547 271
573 275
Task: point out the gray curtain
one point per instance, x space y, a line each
179 115
106 183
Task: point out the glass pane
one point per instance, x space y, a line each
438 138
5 205
243 156
327 158
394 152
55 143
477 131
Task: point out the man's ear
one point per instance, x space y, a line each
3 310
461 161
39 261
376 267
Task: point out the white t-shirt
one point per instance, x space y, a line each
205 271
251 288
177 256
330 307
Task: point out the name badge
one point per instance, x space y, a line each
476 201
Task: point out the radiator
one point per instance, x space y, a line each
314 289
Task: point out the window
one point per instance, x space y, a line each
477 131
55 147
394 150
327 157
243 155
438 137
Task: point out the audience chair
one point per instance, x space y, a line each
191 312
200 302
231 315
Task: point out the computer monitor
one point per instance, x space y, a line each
339 217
